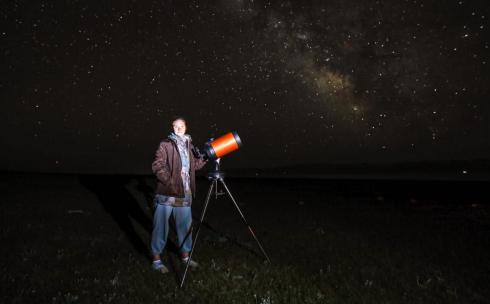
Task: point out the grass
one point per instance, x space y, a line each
69 239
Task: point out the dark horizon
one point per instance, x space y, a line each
476 170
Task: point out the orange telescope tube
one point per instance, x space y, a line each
224 145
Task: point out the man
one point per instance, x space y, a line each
174 167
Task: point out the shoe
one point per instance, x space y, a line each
158 266
192 264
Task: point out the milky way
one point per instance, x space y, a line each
90 86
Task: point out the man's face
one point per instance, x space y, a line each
179 127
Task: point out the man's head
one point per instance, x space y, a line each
179 126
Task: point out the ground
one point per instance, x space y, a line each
84 239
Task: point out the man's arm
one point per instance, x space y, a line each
199 162
159 165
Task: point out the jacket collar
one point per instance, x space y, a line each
174 137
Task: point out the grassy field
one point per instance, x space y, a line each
84 239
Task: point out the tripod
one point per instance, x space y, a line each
215 176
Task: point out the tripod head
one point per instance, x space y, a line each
216 174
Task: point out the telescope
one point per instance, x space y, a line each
213 150
219 147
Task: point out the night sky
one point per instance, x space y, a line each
91 86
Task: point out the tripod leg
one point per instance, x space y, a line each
186 236
215 183
203 213
245 221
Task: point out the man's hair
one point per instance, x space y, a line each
175 118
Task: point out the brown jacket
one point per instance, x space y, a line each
167 167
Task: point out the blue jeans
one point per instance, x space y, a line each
183 221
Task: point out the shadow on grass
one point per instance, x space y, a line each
220 236
122 205
127 210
